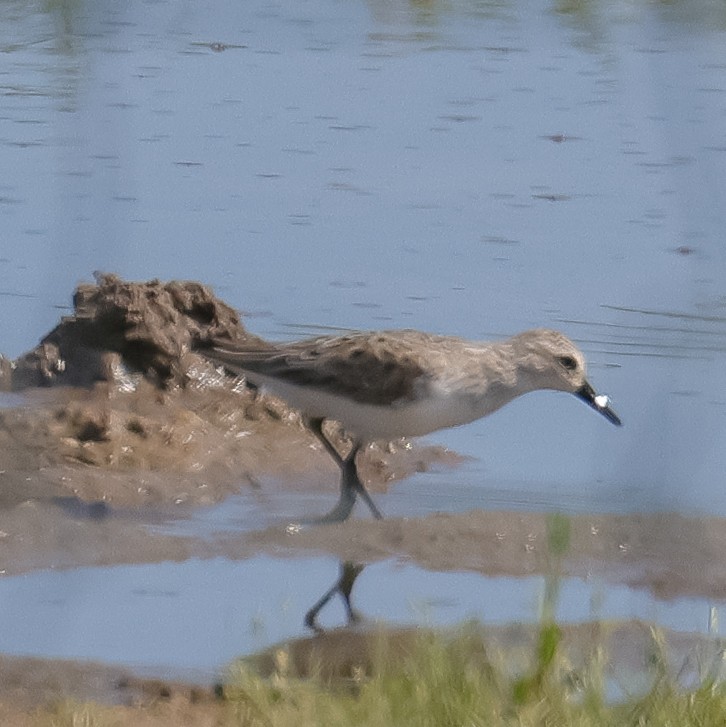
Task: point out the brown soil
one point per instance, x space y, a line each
37 690
123 417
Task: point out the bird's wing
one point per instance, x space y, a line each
371 368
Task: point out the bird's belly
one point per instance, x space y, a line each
411 419
369 422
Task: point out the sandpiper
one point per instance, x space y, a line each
382 385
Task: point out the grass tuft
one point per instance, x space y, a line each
449 681
69 713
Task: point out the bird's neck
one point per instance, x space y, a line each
500 378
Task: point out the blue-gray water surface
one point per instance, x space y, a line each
469 168
198 616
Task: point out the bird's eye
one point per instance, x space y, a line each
568 362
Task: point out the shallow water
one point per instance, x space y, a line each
197 616
465 168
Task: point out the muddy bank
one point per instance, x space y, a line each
188 446
35 690
120 331
29 682
670 555
631 645
117 392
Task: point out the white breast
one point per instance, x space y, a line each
370 422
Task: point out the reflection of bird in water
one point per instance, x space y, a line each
390 384
349 571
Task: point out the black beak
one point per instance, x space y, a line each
598 403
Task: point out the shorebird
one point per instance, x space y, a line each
382 385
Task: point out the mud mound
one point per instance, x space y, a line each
119 329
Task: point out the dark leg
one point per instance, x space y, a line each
350 484
349 571
316 427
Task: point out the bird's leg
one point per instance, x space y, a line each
315 425
348 494
352 481
350 484
349 571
